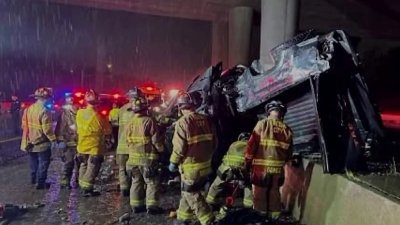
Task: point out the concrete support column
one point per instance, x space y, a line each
219 43
279 19
240 23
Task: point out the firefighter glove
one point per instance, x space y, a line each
53 145
172 167
62 145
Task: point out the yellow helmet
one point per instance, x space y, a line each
43 92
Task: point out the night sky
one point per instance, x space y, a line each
65 46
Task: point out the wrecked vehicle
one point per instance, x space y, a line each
318 77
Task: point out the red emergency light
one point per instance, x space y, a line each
81 101
79 94
116 96
104 112
149 88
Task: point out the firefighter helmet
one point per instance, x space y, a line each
91 97
134 93
43 92
244 136
184 101
139 104
275 105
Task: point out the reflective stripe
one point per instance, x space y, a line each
268 162
181 215
85 185
206 218
136 155
233 160
274 143
134 202
196 166
139 139
247 202
200 138
151 202
210 199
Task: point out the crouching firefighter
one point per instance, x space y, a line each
67 137
93 133
193 142
38 138
268 149
232 169
144 146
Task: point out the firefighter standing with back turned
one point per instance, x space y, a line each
194 142
38 138
269 148
67 137
144 144
125 115
232 168
93 133
113 118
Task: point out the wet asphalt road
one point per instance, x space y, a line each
64 206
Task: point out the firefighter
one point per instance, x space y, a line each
144 144
268 149
124 116
194 142
232 168
38 136
94 132
113 118
67 137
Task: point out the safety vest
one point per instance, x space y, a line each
194 143
125 116
113 116
37 128
92 129
270 146
144 141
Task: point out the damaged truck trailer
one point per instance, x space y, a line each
329 106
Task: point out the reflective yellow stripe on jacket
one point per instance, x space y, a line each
233 160
199 138
268 162
139 139
274 143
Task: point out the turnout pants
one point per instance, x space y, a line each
217 188
144 190
124 179
267 200
39 164
88 171
193 205
68 157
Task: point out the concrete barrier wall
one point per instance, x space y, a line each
323 199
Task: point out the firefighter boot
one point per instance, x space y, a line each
138 209
90 193
154 210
